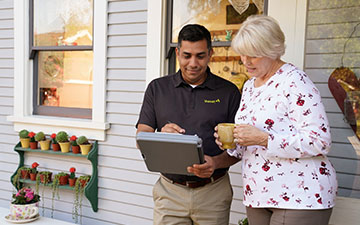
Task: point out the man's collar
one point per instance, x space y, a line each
209 81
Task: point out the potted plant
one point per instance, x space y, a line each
25 205
74 145
72 178
79 190
54 145
25 172
22 172
45 178
85 146
44 143
33 171
24 138
59 179
63 139
33 143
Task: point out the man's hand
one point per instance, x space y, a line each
172 128
204 170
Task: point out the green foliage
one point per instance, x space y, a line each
82 140
40 136
79 190
244 221
25 196
62 136
16 179
24 134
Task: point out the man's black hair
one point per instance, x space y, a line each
193 33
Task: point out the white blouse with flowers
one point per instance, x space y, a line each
293 171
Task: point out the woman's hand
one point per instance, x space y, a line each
217 141
246 135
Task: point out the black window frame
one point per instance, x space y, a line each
71 112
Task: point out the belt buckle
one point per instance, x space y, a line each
188 183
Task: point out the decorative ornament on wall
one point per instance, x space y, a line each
242 5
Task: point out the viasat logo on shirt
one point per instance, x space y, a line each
212 101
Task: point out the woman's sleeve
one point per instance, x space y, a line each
308 133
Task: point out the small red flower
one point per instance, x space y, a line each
265 167
317 195
322 170
73 138
53 136
72 170
34 165
269 122
323 164
31 134
248 187
300 102
319 201
286 198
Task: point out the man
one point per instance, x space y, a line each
192 101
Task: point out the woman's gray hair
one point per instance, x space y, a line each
259 36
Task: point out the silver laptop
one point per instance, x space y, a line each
169 152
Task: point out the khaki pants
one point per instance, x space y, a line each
272 216
178 204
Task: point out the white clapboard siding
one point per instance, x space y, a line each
329 24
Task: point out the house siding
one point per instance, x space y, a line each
125 185
329 24
8 159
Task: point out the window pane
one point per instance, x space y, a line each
218 16
65 79
63 22
226 64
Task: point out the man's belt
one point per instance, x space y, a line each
196 184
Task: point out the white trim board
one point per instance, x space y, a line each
23 82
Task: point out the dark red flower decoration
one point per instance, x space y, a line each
34 165
269 122
72 170
53 136
31 134
73 138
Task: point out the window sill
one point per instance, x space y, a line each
49 125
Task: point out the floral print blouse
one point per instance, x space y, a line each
293 172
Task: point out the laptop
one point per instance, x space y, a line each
170 153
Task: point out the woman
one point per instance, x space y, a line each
283 134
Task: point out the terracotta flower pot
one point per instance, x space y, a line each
75 149
34 145
42 177
65 146
25 142
25 174
64 180
45 145
85 149
55 147
72 182
83 182
33 176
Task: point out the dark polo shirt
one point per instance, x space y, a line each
197 110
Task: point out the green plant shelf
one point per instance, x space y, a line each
91 189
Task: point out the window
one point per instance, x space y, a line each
61 47
223 19
95 125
